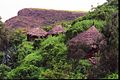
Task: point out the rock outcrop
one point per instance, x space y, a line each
32 17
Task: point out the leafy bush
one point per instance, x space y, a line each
109 56
17 37
4 37
1 57
24 72
63 70
9 43
49 59
101 12
53 48
24 49
112 76
47 28
52 74
3 71
82 26
32 59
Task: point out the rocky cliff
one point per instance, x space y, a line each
32 17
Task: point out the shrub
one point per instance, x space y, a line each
112 76
17 37
4 37
1 57
53 48
109 56
52 74
3 71
24 72
33 59
101 12
24 49
82 26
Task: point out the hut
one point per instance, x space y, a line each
33 33
56 30
85 44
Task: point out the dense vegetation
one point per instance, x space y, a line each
47 58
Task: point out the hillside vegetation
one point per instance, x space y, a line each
47 58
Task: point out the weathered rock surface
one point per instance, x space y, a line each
32 17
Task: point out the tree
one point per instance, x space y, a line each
111 53
4 37
4 43
109 57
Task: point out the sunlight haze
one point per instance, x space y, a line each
9 8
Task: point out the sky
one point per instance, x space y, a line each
9 8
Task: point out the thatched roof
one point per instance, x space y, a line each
83 43
56 30
36 32
87 37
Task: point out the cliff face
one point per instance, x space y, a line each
30 17
23 21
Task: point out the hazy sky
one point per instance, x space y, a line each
9 8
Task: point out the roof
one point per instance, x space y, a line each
36 32
91 36
56 30
85 42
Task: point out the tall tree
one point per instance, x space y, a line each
3 37
4 42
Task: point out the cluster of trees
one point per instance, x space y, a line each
47 58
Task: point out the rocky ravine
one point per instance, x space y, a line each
32 17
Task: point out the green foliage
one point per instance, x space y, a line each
17 37
24 72
47 58
24 49
1 56
111 30
63 69
19 52
3 71
4 37
82 26
102 12
52 74
54 42
32 59
85 63
47 28
53 48
77 75
112 76
110 55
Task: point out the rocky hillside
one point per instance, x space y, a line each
32 17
